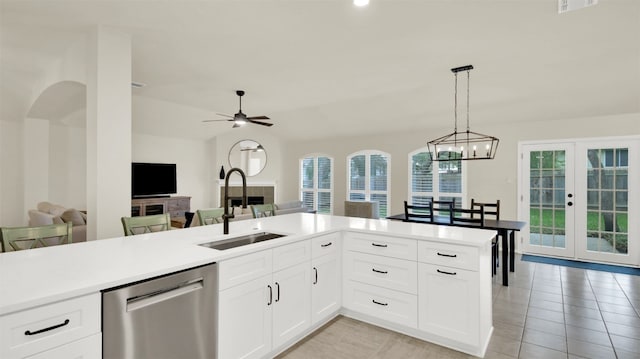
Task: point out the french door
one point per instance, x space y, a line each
580 198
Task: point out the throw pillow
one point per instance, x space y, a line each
74 216
57 210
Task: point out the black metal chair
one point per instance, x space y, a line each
418 213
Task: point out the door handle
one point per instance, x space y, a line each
270 295
315 270
148 299
278 292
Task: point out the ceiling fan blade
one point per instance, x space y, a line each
260 123
223 114
258 118
217 120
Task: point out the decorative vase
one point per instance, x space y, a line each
222 174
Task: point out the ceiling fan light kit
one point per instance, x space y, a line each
467 145
240 119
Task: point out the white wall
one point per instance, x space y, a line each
12 208
487 180
192 159
67 166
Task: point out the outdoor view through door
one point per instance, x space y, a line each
578 199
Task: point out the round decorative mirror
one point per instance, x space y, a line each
249 156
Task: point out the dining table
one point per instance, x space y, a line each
506 230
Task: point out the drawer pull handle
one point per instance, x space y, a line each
379 303
379 271
28 332
447 255
443 272
379 245
315 270
278 299
270 295
326 245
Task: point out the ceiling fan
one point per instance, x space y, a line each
240 118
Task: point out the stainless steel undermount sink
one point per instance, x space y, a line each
242 240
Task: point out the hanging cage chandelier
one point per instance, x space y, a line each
467 145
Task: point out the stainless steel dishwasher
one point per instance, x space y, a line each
172 316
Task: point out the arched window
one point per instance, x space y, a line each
316 183
368 178
442 180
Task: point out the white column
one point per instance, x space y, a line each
108 132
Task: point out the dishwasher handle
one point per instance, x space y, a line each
161 295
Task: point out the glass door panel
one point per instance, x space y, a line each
548 171
603 221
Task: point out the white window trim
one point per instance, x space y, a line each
367 176
315 190
436 194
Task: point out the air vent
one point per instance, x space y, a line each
570 5
138 85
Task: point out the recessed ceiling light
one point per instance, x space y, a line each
360 3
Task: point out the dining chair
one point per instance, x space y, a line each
418 213
210 216
442 207
263 210
19 238
467 216
492 210
146 224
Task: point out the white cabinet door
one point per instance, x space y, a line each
326 285
448 304
291 302
244 319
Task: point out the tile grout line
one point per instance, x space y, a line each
564 315
600 311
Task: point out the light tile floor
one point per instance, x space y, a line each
547 312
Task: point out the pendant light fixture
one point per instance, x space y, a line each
465 145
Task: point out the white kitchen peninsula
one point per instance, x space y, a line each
430 282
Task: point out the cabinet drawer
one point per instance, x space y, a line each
449 255
87 348
243 269
325 244
42 328
381 245
291 254
397 307
392 273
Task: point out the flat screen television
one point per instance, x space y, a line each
153 179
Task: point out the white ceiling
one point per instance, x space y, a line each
327 68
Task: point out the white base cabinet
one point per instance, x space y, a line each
325 288
259 315
51 330
448 302
326 266
244 320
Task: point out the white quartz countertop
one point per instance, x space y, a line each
39 276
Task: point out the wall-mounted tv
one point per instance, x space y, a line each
153 179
